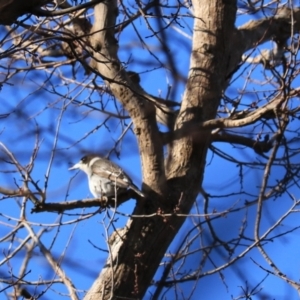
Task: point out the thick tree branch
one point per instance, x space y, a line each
245 119
259 147
256 32
272 109
207 78
279 28
142 112
134 255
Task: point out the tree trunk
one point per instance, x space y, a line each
137 250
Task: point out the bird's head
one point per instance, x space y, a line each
84 164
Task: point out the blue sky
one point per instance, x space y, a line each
35 118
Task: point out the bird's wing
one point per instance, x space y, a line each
107 169
126 181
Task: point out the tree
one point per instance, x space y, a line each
238 110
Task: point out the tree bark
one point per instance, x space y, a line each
137 250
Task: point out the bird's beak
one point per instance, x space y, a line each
75 167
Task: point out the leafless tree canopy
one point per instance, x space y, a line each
202 94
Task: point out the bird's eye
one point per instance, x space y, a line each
84 159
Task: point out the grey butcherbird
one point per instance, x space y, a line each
105 177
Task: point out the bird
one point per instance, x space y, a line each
105 177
